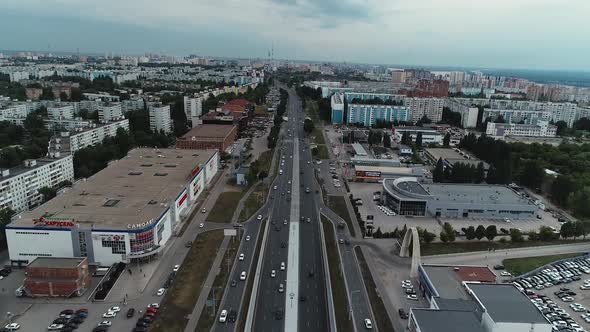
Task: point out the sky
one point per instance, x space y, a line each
529 34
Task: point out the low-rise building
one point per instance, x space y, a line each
57 277
453 156
208 136
429 136
539 129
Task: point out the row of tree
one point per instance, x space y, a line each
273 136
460 173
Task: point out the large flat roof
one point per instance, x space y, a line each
448 279
57 262
474 193
430 320
505 303
208 131
132 190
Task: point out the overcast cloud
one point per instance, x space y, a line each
550 34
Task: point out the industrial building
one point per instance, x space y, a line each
127 211
467 299
406 196
208 136
57 277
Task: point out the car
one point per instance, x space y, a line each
274 188
247 237
55 327
12 327
282 266
203 210
285 222
176 268
403 314
412 297
368 324
81 310
114 309
201 225
505 274
232 316
498 267
160 291
308 220
130 312
241 257
154 305
281 288
61 320
273 273
109 314
188 244
243 275
223 316
66 312
259 217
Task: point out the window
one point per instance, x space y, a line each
117 247
111 203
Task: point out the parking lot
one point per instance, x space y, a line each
559 292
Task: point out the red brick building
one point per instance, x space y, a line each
57 277
208 136
429 88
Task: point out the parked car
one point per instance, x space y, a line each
130 312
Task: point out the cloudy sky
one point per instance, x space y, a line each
538 34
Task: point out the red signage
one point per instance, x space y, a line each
195 171
60 222
182 199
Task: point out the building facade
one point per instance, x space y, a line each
540 129
208 136
160 118
108 112
60 112
429 107
368 115
57 277
429 136
337 103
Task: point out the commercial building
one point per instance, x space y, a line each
407 196
108 112
60 112
467 299
208 136
430 107
19 186
79 138
160 118
370 114
368 161
337 103
57 277
377 173
127 211
359 150
429 136
539 129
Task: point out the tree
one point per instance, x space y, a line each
580 202
491 232
63 96
308 126
406 138
561 127
492 177
561 189
545 234
480 173
470 233
516 235
386 141
533 236
447 139
48 193
532 174
500 119
443 237
47 94
449 232
428 237
419 139
567 230
438 175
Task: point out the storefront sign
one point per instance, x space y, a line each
195 171
364 174
59 222
139 226
182 200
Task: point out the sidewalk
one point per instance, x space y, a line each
191 326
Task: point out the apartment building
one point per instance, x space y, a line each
19 186
160 118
539 129
15 113
468 112
337 105
429 107
193 108
70 142
61 112
108 112
368 115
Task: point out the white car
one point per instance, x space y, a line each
243 275
285 222
505 274
12 327
109 314
105 323
412 297
368 324
259 217
273 273
204 210
54 327
274 188
281 288
241 257
114 309
247 237
176 268
282 266
154 305
160 291
201 225
223 316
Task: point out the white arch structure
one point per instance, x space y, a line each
412 237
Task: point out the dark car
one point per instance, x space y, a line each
147 319
60 320
141 323
77 320
232 316
100 329
403 314
130 312
72 325
279 314
310 273
67 312
410 291
498 267
66 329
283 245
140 329
233 283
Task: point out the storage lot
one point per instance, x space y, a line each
557 293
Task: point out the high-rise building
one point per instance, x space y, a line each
61 112
160 118
429 107
108 112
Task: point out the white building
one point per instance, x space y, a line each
84 137
108 112
431 107
127 211
540 129
160 118
193 109
467 111
60 112
19 186
429 136
15 113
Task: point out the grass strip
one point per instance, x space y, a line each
518 266
336 278
381 316
254 202
224 207
180 299
338 205
438 248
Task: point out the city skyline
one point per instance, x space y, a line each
381 32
